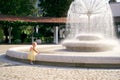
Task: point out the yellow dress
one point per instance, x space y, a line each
31 55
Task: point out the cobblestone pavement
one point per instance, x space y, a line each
39 72
14 70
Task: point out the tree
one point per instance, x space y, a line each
18 8
1 35
55 8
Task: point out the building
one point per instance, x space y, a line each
115 7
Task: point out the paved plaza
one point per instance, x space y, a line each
17 70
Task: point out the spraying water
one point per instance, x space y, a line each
90 16
90 26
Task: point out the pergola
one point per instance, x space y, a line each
33 19
52 20
60 20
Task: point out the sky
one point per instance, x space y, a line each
118 0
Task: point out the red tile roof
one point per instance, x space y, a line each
40 19
33 19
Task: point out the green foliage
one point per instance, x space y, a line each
16 23
55 8
17 7
1 35
27 29
16 32
17 41
52 8
28 40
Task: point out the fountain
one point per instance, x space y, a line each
90 26
89 43
90 37
90 16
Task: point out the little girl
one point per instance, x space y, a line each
33 53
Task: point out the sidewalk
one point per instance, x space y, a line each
13 70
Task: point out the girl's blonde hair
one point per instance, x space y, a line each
34 43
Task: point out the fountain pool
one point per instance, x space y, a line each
86 19
58 53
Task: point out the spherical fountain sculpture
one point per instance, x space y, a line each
90 37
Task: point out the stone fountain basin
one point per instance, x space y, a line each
57 53
89 37
89 46
89 43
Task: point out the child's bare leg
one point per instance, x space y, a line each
31 62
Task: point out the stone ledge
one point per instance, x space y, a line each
83 58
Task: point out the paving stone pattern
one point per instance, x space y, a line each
13 70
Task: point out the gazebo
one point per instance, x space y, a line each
52 20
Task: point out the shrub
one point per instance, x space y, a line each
1 35
17 41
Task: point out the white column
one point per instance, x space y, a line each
32 37
37 28
56 35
